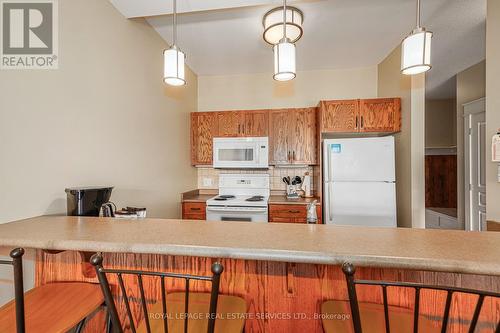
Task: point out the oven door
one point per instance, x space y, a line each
237 214
241 153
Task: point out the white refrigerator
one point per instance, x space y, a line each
359 185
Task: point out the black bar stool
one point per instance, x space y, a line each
177 311
50 308
384 318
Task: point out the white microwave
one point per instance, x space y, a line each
241 153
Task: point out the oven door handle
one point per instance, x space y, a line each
235 209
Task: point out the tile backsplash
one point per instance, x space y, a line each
208 178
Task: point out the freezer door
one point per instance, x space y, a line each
359 159
361 203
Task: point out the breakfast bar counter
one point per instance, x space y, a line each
283 271
434 250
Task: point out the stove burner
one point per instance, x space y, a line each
224 197
256 198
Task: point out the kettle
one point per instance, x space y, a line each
312 216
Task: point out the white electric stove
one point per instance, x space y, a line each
242 197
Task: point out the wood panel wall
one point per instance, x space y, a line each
441 181
276 290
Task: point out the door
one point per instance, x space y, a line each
279 129
203 130
475 165
340 116
230 123
303 136
360 159
379 115
371 204
255 123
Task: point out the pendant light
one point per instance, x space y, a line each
173 70
284 55
416 49
273 21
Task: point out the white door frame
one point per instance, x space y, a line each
474 107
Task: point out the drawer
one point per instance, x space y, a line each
288 211
194 210
291 213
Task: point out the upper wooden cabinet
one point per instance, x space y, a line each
243 123
208 125
361 116
292 136
204 127
339 116
380 115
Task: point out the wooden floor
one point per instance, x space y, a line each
281 297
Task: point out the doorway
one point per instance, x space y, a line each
475 165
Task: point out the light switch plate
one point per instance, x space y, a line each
207 181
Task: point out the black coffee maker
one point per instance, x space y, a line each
87 201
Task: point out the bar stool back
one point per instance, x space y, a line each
180 304
407 321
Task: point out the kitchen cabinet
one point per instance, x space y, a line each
379 115
243 123
339 116
288 213
194 211
204 127
230 123
292 136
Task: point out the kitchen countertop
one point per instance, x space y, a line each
282 200
435 250
198 195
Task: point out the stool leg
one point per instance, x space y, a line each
80 326
109 323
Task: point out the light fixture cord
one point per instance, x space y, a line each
284 19
418 14
175 22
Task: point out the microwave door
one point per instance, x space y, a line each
235 157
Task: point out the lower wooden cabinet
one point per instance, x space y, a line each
194 211
291 213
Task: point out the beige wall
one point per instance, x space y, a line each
440 123
104 117
260 91
410 141
471 85
492 106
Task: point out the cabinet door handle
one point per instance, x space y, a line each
356 122
293 155
288 156
294 211
195 208
361 121
239 128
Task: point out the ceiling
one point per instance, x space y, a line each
224 37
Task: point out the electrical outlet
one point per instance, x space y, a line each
207 182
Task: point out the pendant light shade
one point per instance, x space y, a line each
173 59
284 61
416 50
416 53
174 67
273 25
284 54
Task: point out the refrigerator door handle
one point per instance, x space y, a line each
330 212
